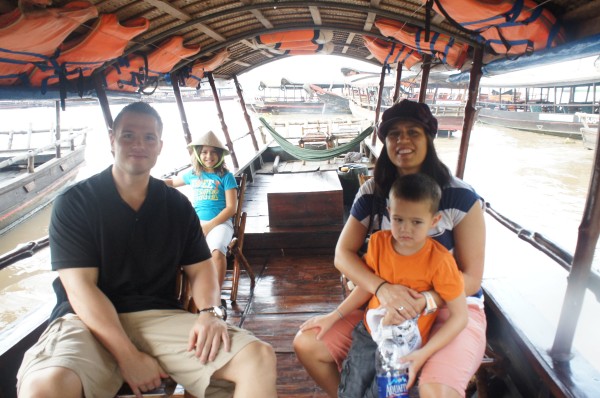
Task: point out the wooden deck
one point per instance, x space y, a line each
290 286
288 291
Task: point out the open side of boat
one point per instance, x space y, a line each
31 178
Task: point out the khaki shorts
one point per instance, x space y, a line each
162 334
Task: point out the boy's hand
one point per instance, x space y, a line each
416 360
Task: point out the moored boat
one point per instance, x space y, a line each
589 131
310 98
30 178
537 101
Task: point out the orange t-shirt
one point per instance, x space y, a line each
432 267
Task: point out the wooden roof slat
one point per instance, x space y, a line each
169 9
258 15
316 14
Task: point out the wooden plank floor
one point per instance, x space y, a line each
291 286
289 290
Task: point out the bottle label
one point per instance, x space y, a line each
393 386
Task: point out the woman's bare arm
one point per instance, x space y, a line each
469 248
347 260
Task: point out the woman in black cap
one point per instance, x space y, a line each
407 130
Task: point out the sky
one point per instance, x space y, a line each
307 69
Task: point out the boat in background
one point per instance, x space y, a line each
446 100
537 102
291 97
30 178
589 131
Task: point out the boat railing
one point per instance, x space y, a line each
241 147
545 245
442 109
23 251
30 155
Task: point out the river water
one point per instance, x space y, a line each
539 181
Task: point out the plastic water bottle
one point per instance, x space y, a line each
396 341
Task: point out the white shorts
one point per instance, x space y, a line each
220 236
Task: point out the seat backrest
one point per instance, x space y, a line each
362 178
241 192
184 292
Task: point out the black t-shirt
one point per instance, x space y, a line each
137 253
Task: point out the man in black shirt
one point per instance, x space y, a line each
117 241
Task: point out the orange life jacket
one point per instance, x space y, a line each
137 73
34 37
392 53
507 26
293 45
107 40
196 73
326 48
445 48
316 36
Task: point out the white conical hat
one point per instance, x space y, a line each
209 139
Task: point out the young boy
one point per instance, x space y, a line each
406 255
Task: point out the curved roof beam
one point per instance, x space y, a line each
296 4
254 33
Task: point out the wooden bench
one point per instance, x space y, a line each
305 199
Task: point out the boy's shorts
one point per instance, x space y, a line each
163 334
453 365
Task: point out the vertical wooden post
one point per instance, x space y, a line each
238 88
29 134
398 82
184 123
378 107
470 110
229 144
57 129
425 77
577 282
103 100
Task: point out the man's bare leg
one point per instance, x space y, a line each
253 370
53 382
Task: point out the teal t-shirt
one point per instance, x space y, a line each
208 192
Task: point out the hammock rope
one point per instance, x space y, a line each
315 154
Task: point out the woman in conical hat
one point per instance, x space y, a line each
214 194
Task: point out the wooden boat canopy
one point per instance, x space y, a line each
233 26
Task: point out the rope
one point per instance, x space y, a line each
315 154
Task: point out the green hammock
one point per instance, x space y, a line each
314 154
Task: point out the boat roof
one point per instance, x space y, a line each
236 24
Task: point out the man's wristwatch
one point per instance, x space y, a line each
219 312
430 305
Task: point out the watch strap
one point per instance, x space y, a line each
430 304
213 311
